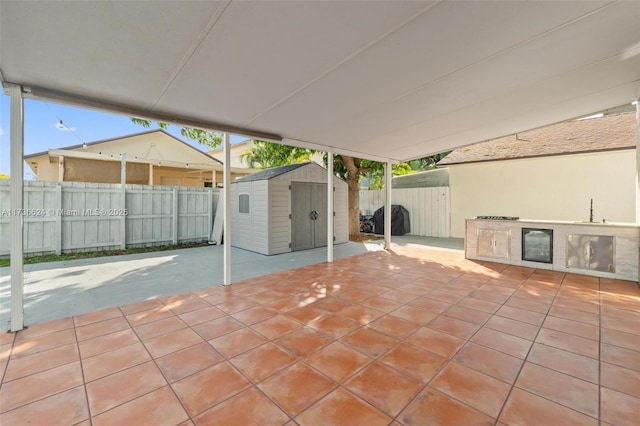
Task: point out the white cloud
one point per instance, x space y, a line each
63 127
1 131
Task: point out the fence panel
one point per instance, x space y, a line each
78 216
429 208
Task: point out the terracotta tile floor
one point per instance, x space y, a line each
411 337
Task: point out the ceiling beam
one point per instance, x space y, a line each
47 95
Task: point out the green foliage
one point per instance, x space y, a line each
375 176
203 137
265 155
4 176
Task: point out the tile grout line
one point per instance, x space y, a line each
447 362
600 350
155 364
48 369
9 357
524 360
84 381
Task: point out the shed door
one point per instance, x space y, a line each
308 215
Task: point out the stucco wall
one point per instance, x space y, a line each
546 188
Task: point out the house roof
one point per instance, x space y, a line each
426 179
608 133
470 71
120 138
272 172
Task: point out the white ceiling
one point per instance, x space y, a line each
392 79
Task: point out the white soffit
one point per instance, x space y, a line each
392 79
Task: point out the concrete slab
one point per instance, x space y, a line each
60 289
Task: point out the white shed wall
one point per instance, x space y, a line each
280 207
250 231
341 207
266 228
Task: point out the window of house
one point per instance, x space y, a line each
243 202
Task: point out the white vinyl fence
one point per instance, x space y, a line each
429 208
77 216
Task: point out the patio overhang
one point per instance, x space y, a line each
386 80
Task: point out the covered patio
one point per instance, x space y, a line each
409 336
403 336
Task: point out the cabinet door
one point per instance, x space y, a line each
502 244
485 242
494 243
592 252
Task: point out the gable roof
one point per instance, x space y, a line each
272 172
608 133
206 156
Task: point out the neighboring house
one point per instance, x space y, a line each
550 173
153 158
237 150
240 148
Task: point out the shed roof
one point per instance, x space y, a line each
426 179
608 133
272 172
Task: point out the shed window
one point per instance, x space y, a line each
243 202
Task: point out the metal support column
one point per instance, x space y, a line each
330 206
638 161
387 206
123 200
16 219
227 209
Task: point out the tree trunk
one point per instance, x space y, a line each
353 177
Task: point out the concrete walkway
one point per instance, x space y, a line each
61 289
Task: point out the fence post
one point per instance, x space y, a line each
58 213
210 212
175 215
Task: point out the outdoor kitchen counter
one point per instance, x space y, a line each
610 250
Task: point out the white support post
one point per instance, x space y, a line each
387 205
638 161
16 220
123 200
150 174
213 179
227 209
330 195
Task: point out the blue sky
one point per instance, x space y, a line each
42 132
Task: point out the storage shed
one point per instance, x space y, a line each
284 209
